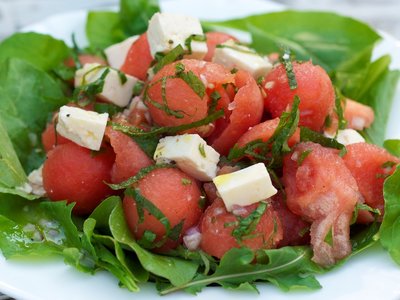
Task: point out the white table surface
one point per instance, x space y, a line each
381 14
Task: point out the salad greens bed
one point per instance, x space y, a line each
32 87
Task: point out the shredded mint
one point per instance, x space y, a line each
174 55
86 93
137 132
388 164
249 223
286 60
303 156
186 181
202 151
122 77
140 175
215 97
366 207
138 88
307 135
339 101
75 52
196 38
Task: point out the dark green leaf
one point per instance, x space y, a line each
173 55
307 135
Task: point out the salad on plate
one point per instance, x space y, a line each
172 151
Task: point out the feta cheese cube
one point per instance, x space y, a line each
232 55
114 89
245 187
347 137
166 31
191 154
85 128
116 54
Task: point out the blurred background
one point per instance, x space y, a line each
381 14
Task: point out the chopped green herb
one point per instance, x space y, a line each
363 206
339 101
86 93
234 71
147 240
307 135
186 181
196 38
260 80
303 156
388 164
215 97
248 224
140 175
202 151
109 108
176 231
286 60
138 88
137 132
122 77
202 201
174 55
328 121
75 52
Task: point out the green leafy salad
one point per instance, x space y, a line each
37 75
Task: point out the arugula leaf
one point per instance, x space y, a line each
42 51
393 146
311 35
27 97
176 270
390 227
287 268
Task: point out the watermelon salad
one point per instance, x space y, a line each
171 151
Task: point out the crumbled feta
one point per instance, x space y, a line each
166 31
85 128
233 55
347 137
114 89
245 187
191 154
116 54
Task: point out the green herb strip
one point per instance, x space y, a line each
138 88
140 175
86 93
137 132
202 151
277 145
339 101
122 77
248 224
75 52
191 38
286 60
307 135
186 181
363 206
174 55
215 97
303 156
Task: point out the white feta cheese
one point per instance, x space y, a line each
114 89
116 54
166 31
347 137
245 187
232 55
191 154
85 128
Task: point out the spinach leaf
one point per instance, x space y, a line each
135 15
310 35
393 146
287 268
27 97
40 50
104 28
390 228
12 174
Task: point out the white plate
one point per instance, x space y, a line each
370 275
